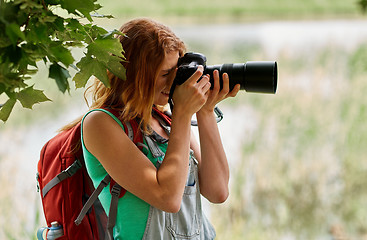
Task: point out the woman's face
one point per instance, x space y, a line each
165 78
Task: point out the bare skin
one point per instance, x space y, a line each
163 188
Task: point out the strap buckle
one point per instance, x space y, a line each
73 168
116 190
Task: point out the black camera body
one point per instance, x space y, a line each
253 76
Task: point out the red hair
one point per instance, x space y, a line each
145 43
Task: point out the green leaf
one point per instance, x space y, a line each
14 33
94 31
103 48
10 79
10 12
61 75
74 24
33 53
82 6
30 96
88 67
81 78
6 109
4 42
12 54
115 66
74 33
62 54
48 18
2 86
52 2
58 24
37 32
29 5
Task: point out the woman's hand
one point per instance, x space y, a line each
216 94
192 94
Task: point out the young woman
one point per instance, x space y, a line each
163 192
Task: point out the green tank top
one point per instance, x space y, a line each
132 212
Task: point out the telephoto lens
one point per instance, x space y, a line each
253 76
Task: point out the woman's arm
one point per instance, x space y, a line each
129 167
213 164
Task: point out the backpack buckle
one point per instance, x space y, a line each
73 168
116 190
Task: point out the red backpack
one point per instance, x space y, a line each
67 192
65 186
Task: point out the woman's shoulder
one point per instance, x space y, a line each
100 118
95 116
99 127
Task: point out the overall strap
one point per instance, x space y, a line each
153 147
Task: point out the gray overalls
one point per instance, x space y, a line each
190 222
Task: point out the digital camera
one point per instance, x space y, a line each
253 76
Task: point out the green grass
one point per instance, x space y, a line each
307 156
219 10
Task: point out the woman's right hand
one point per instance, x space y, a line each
192 94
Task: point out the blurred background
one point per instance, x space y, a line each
297 158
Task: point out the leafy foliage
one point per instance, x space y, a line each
31 31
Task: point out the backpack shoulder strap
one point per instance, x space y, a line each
92 199
116 190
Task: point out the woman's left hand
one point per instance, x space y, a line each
216 94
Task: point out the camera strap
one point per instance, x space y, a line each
170 101
218 118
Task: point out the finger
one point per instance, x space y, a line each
206 87
234 91
225 88
203 81
196 76
216 86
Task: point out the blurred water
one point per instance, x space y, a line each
20 147
296 37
